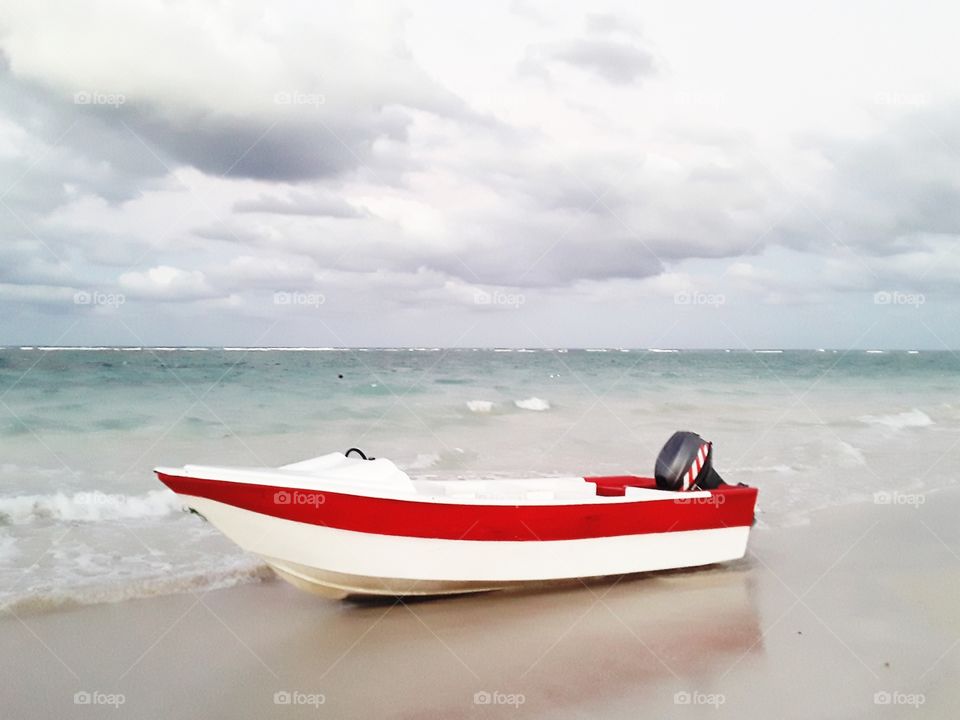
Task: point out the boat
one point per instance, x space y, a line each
344 525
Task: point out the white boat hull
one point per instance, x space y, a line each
338 563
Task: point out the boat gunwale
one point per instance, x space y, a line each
479 522
386 493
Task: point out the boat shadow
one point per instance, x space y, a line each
548 648
534 588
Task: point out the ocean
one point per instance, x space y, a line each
83 519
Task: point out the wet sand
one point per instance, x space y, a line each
854 615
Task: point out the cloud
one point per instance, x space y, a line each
395 162
298 113
167 284
620 63
299 203
27 262
269 272
46 296
611 49
887 207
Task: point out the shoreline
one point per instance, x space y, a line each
851 615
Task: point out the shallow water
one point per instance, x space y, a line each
83 519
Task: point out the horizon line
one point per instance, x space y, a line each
440 348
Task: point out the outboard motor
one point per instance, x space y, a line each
686 463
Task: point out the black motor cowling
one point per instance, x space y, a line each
686 463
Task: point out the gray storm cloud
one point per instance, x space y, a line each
401 162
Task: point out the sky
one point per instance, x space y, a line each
506 174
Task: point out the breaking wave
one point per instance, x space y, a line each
479 406
533 403
86 507
242 570
423 461
899 421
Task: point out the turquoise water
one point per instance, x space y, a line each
82 517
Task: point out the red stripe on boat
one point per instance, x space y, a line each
729 506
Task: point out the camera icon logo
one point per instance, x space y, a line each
882 498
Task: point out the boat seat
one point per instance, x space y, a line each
336 466
638 493
332 469
616 485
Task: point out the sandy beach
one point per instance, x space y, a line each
852 615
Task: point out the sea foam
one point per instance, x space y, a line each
226 573
423 461
479 406
899 421
91 506
532 403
